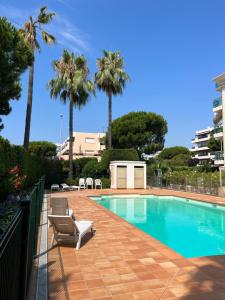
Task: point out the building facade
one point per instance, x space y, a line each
200 149
86 144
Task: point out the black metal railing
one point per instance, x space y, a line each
217 102
218 129
19 246
198 185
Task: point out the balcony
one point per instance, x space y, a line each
218 155
218 129
217 102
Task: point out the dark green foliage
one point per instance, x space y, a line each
169 153
71 181
192 162
105 183
206 167
118 154
213 144
15 57
53 171
180 160
93 169
144 131
42 149
79 164
30 165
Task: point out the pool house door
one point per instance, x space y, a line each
138 177
121 177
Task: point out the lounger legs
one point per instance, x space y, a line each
52 242
78 243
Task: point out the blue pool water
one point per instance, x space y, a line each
189 227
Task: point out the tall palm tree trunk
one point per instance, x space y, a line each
29 107
71 138
110 121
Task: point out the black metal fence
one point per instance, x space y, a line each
198 185
19 245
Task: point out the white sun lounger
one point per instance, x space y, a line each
65 187
55 187
65 229
59 206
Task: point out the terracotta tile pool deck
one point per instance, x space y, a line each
122 262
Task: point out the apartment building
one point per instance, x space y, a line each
86 144
200 149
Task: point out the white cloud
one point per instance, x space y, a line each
15 15
67 35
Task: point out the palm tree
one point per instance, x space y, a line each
71 84
30 31
111 78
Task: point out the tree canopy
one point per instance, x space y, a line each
214 144
15 57
169 153
111 78
71 84
143 131
42 149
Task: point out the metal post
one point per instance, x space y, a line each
60 136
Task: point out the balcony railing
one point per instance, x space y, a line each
218 129
217 102
218 155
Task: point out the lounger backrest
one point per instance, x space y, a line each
64 185
81 181
89 181
59 206
63 224
98 182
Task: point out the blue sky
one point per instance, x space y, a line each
172 50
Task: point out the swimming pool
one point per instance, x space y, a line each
189 227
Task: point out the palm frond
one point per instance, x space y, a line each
44 17
111 76
71 79
47 38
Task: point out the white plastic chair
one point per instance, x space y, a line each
98 183
59 206
82 183
65 229
89 182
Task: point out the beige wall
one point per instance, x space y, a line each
85 144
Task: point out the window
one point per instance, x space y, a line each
89 140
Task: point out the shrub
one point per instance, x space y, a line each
79 164
93 169
29 164
70 181
180 160
105 183
53 170
192 162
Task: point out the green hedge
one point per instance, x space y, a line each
118 154
30 165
